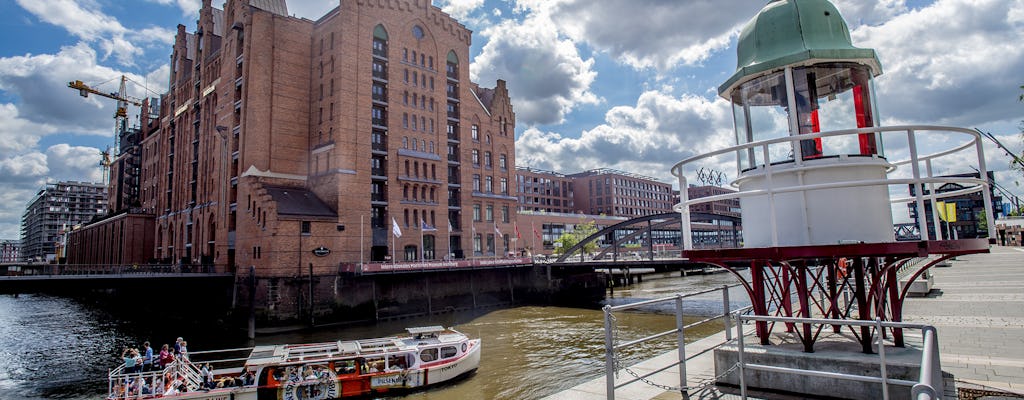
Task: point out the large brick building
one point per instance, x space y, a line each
618 193
281 135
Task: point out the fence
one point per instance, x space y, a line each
928 386
611 337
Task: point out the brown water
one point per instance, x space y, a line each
52 347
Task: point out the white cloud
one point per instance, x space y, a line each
17 134
75 163
955 62
189 8
647 138
860 12
546 76
84 20
40 84
460 9
663 35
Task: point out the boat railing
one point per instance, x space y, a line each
612 344
122 385
928 386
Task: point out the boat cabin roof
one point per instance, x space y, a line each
287 353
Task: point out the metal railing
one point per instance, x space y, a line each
918 181
122 385
611 344
928 386
107 269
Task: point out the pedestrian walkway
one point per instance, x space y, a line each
977 305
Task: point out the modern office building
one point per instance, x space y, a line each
53 212
546 191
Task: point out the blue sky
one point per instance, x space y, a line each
625 84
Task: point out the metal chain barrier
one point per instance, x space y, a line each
701 385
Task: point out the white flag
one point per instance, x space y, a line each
395 230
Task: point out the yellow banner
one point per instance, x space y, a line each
940 207
950 212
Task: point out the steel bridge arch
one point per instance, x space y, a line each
671 218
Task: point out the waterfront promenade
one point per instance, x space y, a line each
977 305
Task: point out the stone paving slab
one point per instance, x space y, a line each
977 305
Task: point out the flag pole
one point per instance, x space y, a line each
361 248
533 239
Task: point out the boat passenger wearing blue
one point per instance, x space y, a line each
129 361
147 359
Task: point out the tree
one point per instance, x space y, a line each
580 232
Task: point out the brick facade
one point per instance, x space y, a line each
368 111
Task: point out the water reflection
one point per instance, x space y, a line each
52 347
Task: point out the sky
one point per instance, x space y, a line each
623 84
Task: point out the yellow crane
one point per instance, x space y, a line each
120 116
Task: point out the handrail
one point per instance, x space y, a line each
928 387
918 181
611 346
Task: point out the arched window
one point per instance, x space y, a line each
380 41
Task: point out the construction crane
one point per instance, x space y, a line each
121 114
105 164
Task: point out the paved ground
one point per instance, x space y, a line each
977 304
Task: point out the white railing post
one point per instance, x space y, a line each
918 187
609 355
881 355
684 214
769 185
986 194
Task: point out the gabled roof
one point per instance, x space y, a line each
278 7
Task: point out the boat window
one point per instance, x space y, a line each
428 355
463 347
345 366
448 352
372 365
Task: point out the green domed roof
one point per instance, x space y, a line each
794 32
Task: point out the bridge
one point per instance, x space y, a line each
28 277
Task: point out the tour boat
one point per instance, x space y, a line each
424 357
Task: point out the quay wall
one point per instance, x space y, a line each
347 297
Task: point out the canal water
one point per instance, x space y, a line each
60 348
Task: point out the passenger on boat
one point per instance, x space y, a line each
248 378
183 351
129 356
146 387
166 358
177 345
147 358
207 374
